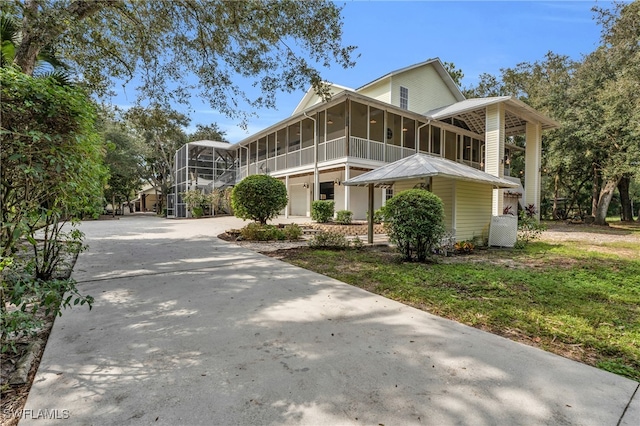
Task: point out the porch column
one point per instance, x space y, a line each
347 189
310 191
286 209
316 185
494 151
370 216
533 163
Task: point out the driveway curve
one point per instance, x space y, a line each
190 330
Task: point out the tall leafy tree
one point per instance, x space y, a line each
160 132
122 155
275 45
597 100
607 94
211 132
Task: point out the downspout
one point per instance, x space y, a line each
418 132
316 177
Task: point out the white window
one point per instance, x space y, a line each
388 194
404 98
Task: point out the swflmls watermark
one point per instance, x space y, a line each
41 414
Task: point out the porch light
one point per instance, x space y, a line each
329 121
305 185
373 121
404 129
336 181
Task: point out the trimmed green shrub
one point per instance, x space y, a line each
331 240
414 220
343 217
378 215
292 232
258 232
259 198
322 210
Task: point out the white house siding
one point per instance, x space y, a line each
427 91
473 209
380 91
403 185
445 189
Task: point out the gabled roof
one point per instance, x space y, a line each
423 165
472 112
439 67
311 93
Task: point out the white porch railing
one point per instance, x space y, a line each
365 148
332 149
271 165
358 147
293 159
407 152
281 162
394 153
306 156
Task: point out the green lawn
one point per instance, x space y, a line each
574 299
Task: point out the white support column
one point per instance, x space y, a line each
533 163
316 185
347 189
494 151
286 184
309 194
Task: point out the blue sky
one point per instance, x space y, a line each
477 36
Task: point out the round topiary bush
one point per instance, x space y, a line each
415 222
259 198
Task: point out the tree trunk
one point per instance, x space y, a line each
113 205
606 193
555 196
625 200
595 193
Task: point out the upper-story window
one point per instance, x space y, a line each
404 98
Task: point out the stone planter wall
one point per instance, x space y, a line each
347 230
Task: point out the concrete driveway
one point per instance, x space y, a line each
189 330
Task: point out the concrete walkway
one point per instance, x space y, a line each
189 330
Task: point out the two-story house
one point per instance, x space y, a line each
417 109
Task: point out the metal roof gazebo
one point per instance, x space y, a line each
419 166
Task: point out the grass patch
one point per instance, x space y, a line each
565 298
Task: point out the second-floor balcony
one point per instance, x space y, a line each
334 150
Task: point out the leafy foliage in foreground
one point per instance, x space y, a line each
562 298
51 173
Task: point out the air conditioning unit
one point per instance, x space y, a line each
503 231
